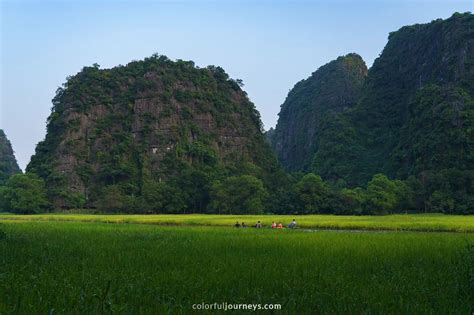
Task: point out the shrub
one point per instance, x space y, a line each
24 194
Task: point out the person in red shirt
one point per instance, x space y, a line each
280 226
274 225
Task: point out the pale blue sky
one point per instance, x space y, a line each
270 45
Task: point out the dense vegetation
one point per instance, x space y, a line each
25 194
244 194
413 121
162 136
89 268
8 165
152 136
331 89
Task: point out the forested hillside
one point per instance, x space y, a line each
416 110
413 119
162 136
152 135
333 88
8 165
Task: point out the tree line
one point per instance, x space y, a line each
196 192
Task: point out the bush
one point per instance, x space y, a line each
381 194
112 200
238 195
24 194
313 194
163 197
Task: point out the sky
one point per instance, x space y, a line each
270 45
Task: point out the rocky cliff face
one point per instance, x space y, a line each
411 114
413 118
333 88
419 91
8 165
148 120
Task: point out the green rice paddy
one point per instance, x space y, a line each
399 222
51 266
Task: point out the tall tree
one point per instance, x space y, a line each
243 194
312 193
25 194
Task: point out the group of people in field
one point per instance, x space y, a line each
274 225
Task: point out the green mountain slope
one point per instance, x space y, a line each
412 118
415 113
8 165
331 89
115 131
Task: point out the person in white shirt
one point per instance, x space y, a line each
292 225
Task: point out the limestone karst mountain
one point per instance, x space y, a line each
333 88
412 116
148 121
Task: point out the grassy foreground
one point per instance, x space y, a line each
88 268
407 222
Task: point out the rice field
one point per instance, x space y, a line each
398 222
60 267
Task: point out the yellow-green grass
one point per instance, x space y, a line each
399 222
92 268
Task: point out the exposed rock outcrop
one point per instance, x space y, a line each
151 120
333 88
